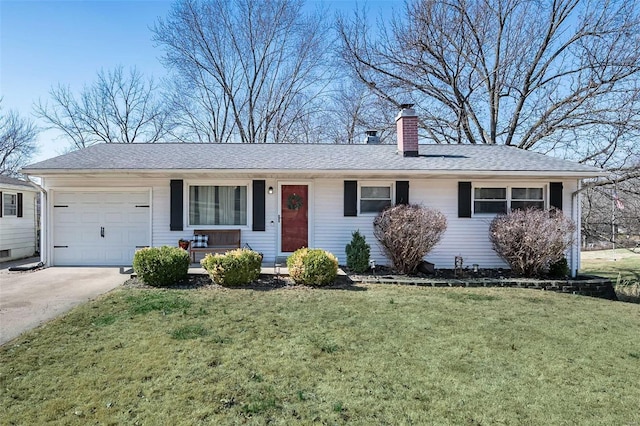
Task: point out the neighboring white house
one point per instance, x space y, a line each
106 200
18 219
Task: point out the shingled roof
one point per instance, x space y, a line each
10 181
432 159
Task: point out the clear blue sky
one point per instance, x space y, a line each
51 42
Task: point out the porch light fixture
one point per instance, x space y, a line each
271 190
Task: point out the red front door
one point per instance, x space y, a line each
294 213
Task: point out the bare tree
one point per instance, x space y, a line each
534 74
353 110
610 214
119 107
17 141
245 71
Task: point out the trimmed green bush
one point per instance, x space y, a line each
560 269
234 268
358 252
161 266
314 267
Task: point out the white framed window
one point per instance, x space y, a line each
489 200
218 205
375 197
523 198
10 204
496 200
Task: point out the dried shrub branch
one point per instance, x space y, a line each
531 240
407 233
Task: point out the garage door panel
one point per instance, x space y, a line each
90 217
90 236
137 237
92 197
70 256
113 218
65 198
91 257
116 238
68 235
116 256
79 227
65 216
138 216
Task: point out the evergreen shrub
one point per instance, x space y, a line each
161 266
315 267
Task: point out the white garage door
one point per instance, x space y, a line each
99 228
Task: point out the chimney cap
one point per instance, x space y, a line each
372 137
406 106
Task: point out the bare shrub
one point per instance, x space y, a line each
627 290
407 233
531 240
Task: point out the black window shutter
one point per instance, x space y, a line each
19 204
555 195
464 199
402 192
1 203
351 198
258 205
176 216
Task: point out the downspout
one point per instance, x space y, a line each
576 216
44 246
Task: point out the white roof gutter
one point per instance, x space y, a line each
324 172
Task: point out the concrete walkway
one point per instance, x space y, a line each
265 269
28 299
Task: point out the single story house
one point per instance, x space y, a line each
18 218
105 201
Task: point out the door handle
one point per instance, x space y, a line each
102 231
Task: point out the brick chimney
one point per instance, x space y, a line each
407 129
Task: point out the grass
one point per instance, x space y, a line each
622 266
379 354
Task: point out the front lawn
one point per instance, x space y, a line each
375 354
622 266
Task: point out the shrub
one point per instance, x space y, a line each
559 269
358 252
312 267
407 233
531 240
234 268
161 266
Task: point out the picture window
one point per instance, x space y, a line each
217 205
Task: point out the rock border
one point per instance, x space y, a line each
585 285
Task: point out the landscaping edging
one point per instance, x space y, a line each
585 286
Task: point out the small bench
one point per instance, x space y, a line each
219 241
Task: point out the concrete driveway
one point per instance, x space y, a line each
28 299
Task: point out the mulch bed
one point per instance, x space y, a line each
263 283
382 273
